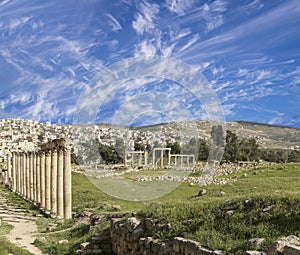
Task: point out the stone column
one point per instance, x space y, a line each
48 180
153 158
169 157
60 183
146 158
34 176
54 182
9 173
31 194
161 159
14 174
27 176
38 179
42 179
19 172
67 184
24 191
140 159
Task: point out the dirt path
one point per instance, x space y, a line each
25 229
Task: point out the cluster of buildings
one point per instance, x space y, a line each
27 135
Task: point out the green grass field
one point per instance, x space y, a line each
205 219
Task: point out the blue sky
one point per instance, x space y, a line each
248 51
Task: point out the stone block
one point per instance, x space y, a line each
290 249
85 246
255 253
277 247
132 223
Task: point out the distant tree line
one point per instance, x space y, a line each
235 149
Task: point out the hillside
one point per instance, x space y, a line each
268 136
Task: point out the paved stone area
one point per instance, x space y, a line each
25 229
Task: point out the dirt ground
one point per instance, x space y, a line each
25 229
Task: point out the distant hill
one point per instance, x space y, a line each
268 136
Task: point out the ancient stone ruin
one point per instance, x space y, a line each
43 177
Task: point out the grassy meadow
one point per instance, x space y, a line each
258 203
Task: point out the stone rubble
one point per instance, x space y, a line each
127 237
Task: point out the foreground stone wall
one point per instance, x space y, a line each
128 237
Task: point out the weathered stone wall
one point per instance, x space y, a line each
128 237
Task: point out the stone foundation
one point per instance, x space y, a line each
127 237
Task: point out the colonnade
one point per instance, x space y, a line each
184 159
44 177
142 158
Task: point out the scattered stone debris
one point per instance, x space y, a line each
202 192
256 242
286 246
230 213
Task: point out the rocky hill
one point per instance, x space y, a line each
268 136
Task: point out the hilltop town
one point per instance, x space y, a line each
26 135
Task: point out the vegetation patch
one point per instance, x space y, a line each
228 225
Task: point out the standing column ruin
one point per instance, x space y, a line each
34 176
9 173
14 174
31 196
42 179
67 182
54 181
48 180
24 191
38 179
27 176
60 183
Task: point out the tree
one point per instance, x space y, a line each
175 147
138 145
203 150
231 152
294 156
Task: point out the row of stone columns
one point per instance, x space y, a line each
185 160
142 158
44 177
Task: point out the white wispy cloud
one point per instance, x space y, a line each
192 41
252 6
145 48
14 23
145 18
179 6
115 25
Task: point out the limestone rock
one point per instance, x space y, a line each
255 253
132 223
41 239
202 192
222 194
291 250
256 242
64 241
230 213
277 247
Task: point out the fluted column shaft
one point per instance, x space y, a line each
14 174
60 183
54 181
38 179
67 184
48 180
42 179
